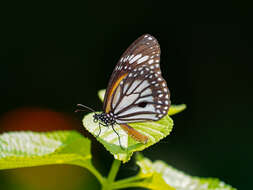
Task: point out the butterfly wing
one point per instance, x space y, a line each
136 91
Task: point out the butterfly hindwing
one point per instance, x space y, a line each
136 91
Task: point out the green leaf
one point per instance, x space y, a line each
26 149
155 131
175 178
174 109
101 94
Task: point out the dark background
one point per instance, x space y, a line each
54 56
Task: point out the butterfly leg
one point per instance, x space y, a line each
99 125
99 130
118 137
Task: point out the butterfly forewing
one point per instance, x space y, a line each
136 91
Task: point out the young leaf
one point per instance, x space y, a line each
101 94
26 149
155 131
175 178
174 109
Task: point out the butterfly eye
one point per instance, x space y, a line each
142 104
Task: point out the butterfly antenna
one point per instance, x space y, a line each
83 108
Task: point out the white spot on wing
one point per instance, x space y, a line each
143 85
135 109
116 97
142 117
131 57
126 101
133 86
135 58
125 87
150 61
145 58
146 92
146 99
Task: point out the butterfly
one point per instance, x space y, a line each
136 91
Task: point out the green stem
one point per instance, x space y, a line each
100 178
128 185
129 180
112 175
92 169
114 170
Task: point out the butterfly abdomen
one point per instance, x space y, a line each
134 134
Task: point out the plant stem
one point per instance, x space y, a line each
100 178
92 169
128 185
114 170
130 180
112 175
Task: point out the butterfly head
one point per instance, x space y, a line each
104 118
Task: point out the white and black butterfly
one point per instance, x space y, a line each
136 91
